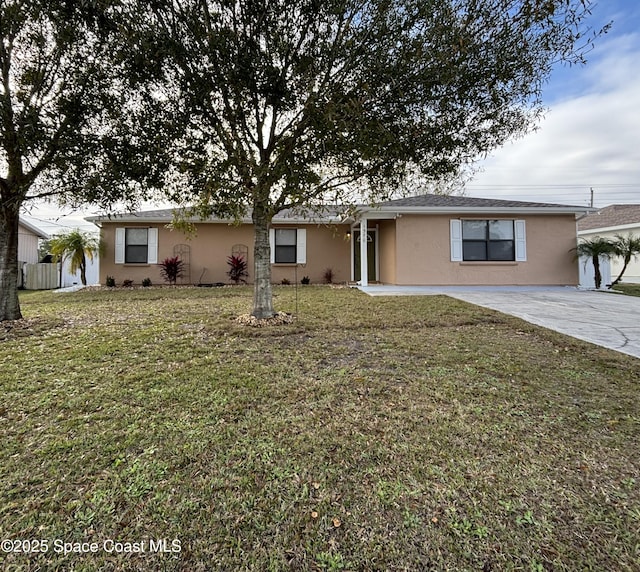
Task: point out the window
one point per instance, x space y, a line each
136 246
488 240
288 245
498 240
285 240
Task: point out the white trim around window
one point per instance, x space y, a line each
521 240
152 246
120 237
456 239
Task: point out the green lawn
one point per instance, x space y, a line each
411 433
628 289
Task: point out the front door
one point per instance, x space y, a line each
371 255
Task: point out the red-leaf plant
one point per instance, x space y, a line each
171 269
237 269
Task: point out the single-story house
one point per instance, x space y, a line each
606 223
421 240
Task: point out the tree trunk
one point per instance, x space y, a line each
597 274
83 270
262 296
9 303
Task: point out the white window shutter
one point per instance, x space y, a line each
272 244
521 240
301 246
120 234
152 246
456 240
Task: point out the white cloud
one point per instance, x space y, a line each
588 140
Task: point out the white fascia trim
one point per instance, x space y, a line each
128 219
31 228
298 221
633 226
387 212
230 222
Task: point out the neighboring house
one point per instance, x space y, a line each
28 236
423 240
606 223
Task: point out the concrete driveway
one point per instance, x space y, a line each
603 318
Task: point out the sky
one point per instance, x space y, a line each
590 135
588 140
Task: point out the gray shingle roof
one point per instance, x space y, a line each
467 202
613 215
337 213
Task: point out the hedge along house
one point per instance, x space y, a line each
422 240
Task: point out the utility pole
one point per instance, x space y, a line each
591 204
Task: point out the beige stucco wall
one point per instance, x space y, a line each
423 254
213 243
632 273
387 251
327 247
413 249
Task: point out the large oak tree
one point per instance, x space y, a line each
286 103
69 118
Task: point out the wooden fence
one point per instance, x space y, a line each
41 276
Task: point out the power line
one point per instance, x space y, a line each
552 186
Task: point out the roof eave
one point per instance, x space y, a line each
319 221
127 219
394 211
34 229
614 228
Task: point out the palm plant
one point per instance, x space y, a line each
76 246
627 247
595 248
